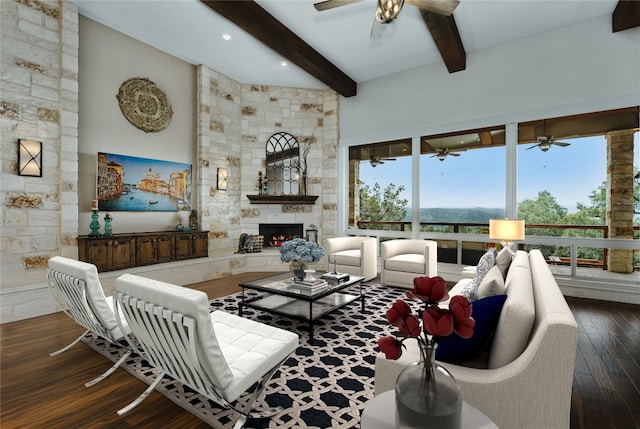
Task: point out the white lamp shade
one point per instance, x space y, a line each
506 229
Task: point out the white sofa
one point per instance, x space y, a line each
403 260
526 380
353 255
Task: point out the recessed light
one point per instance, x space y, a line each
226 36
284 63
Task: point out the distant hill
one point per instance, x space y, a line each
468 214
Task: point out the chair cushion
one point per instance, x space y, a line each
346 257
95 295
250 348
485 312
192 303
408 263
492 284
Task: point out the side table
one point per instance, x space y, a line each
380 413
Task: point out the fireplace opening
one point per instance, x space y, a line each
277 233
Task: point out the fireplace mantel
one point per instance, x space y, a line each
282 199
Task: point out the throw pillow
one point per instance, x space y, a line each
492 284
486 262
484 265
503 260
470 290
486 313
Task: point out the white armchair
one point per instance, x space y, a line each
76 287
403 260
219 355
353 255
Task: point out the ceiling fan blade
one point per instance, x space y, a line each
332 4
561 144
377 29
441 7
453 154
535 145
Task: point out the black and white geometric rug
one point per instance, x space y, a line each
324 385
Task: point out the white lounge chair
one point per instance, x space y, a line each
218 354
353 255
76 287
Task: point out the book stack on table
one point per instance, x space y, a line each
335 278
311 287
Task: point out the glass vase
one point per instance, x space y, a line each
427 395
298 270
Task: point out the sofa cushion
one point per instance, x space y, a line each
486 262
492 284
503 260
408 263
346 257
518 313
485 312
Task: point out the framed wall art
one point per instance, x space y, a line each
129 183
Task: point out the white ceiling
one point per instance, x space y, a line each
189 30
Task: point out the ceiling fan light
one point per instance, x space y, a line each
388 10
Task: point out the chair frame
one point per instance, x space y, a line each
153 325
72 299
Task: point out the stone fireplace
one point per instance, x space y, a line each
273 232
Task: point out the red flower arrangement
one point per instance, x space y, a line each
436 322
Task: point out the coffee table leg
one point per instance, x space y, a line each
310 322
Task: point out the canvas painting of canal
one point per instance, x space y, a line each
129 183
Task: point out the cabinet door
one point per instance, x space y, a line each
164 249
123 253
98 253
145 250
183 246
200 246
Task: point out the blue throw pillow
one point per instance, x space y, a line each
485 312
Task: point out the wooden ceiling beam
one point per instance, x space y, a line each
445 34
626 15
256 21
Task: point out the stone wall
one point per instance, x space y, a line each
39 216
39 101
620 201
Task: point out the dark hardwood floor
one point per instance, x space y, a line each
39 391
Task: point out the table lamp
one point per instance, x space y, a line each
507 231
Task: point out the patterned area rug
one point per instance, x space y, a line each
324 385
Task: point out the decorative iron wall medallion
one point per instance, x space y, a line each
144 105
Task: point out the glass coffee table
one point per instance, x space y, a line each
280 295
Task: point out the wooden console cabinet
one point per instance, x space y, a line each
131 250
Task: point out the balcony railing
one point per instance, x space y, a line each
469 232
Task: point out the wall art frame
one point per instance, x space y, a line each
129 183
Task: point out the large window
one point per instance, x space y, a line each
462 180
552 172
380 185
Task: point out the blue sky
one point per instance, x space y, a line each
475 179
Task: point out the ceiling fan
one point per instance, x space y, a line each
443 153
387 11
376 160
546 140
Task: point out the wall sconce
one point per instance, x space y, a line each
222 179
29 158
507 231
